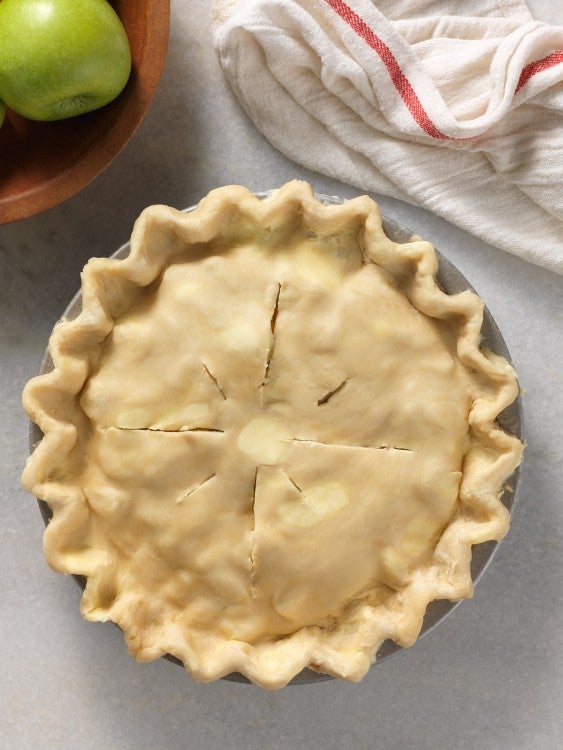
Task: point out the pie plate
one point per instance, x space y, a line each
452 282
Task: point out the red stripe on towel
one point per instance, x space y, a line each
537 67
397 76
401 82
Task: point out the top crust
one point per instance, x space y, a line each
270 437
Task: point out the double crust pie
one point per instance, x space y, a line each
269 437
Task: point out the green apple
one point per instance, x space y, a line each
60 58
2 113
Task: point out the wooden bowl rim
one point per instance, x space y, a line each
55 190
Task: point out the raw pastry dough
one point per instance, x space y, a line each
269 437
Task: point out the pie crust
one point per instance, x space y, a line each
270 437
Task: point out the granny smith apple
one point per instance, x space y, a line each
60 58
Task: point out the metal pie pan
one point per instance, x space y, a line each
451 281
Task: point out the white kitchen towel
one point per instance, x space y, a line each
461 114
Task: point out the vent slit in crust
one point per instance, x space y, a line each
253 538
326 398
308 441
294 483
214 380
273 321
161 429
195 489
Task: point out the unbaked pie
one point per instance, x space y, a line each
269 437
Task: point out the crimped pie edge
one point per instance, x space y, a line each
345 653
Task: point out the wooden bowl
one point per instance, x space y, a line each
44 163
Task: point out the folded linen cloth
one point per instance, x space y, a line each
461 114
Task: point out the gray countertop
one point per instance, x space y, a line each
490 675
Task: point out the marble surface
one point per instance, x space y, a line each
489 677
